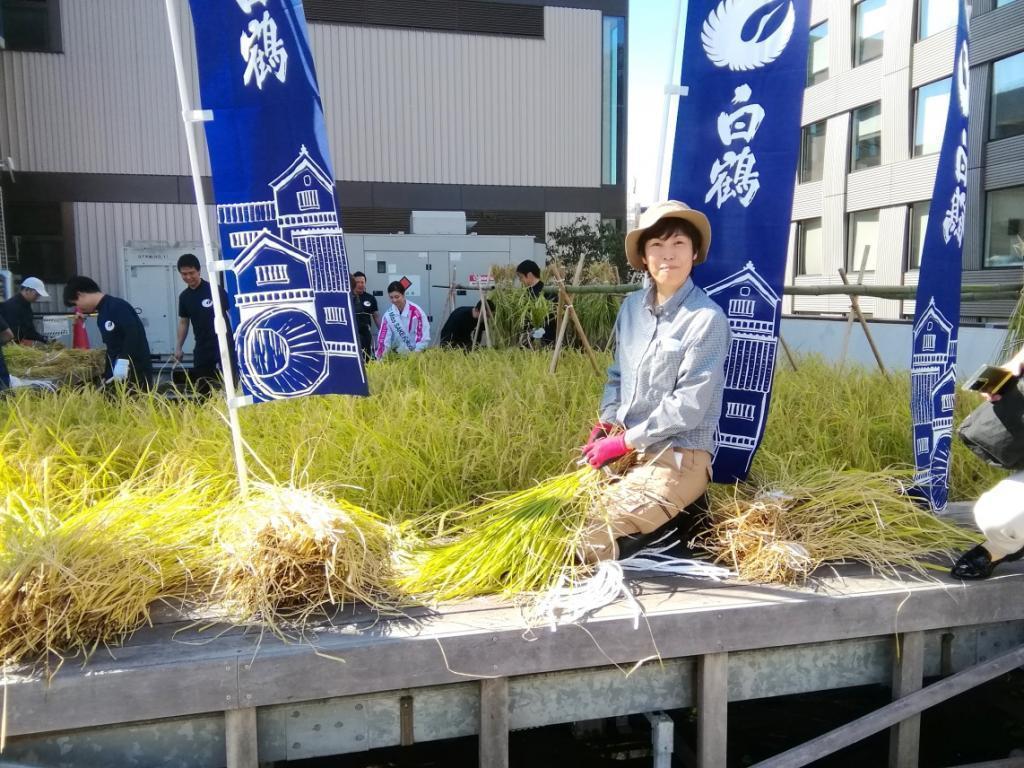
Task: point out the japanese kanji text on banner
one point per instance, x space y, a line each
735 158
279 220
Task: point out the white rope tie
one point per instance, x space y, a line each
652 559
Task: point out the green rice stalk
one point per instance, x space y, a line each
509 545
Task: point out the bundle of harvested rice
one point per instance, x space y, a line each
782 531
290 553
510 545
86 573
72 366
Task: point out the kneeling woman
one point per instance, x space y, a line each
664 391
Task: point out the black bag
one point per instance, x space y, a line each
995 431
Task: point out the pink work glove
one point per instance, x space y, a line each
601 429
604 450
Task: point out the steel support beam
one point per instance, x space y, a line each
907 677
712 710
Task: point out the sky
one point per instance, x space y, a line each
651 24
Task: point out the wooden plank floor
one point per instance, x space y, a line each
178 668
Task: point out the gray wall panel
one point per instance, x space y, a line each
933 57
997 34
401 105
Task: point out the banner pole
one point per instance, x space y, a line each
190 117
666 102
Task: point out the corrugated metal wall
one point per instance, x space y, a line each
402 105
101 227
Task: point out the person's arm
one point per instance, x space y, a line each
611 398
383 340
26 330
182 335
421 336
701 376
5 332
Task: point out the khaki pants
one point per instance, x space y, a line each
645 498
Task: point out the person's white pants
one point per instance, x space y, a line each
999 514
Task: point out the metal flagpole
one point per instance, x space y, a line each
191 117
670 90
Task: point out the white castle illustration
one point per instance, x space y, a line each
296 325
933 375
752 308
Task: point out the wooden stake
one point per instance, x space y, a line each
788 351
570 314
851 314
855 305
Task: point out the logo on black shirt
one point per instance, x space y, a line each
109 325
207 303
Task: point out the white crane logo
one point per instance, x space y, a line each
724 41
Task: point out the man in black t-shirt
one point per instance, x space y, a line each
528 273
461 324
367 314
195 308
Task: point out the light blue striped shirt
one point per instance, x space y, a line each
665 383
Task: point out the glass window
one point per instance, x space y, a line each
817 55
30 25
934 16
1003 228
809 257
1007 97
918 224
870 31
812 151
613 91
930 107
1001 3
863 237
36 242
866 140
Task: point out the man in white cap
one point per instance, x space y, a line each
665 385
17 310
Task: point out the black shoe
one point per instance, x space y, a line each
977 563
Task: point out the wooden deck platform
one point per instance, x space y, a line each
181 695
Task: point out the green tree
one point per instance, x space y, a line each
601 243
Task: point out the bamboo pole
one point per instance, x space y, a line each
855 305
1005 291
852 313
571 314
564 306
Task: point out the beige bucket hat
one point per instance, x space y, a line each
668 209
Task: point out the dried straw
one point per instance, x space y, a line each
72 366
290 553
781 532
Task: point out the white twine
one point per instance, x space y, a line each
565 604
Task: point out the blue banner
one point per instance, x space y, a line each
736 151
295 332
937 310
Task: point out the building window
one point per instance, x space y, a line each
928 342
930 107
812 151
240 240
869 23
613 91
934 16
918 225
1007 97
866 143
40 240
308 199
809 257
1003 230
817 55
922 445
335 315
948 402
741 307
271 273
1001 3
740 411
863 237
30 25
